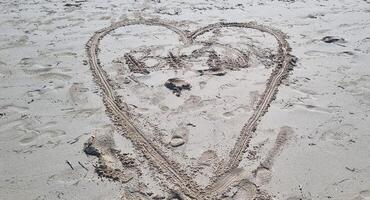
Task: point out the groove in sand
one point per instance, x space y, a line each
156 157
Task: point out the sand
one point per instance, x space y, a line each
269 100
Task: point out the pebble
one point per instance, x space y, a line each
177 141
333 39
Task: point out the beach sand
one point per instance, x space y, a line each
185 99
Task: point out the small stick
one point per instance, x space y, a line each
69 164
82 166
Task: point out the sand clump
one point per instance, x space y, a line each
112 164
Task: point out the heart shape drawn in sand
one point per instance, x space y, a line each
227 172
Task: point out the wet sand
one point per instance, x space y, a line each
237 123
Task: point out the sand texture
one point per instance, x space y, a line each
185 100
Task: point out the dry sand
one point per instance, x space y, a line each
185 100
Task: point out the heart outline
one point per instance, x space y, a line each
156 157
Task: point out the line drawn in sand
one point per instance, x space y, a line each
228 174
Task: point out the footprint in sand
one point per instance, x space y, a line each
246 191
363 195
77 93
55 76
37 69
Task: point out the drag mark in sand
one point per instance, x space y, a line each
281 71
170 169
119 117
